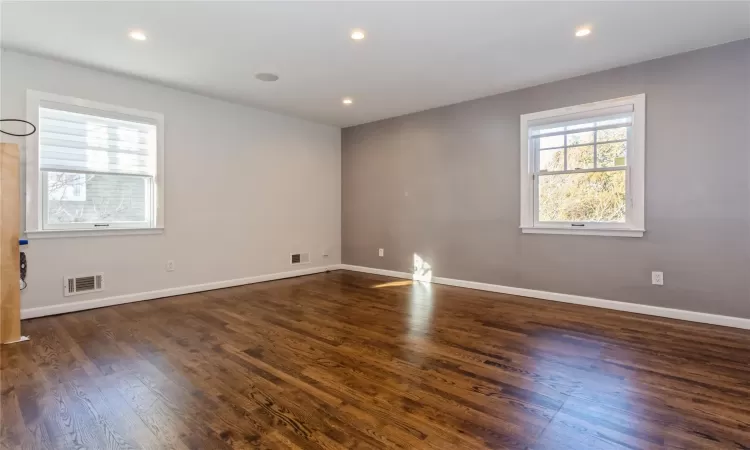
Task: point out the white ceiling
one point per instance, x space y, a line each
416 55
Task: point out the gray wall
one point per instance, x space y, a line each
444 184
231 212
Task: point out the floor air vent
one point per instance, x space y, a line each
83 284
300 258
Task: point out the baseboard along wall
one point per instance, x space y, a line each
680 314
169 292
691 316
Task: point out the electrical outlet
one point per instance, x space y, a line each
657 278
170 266
381 252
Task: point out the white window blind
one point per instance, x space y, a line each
75 142
581 116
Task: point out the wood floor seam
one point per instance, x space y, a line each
541 433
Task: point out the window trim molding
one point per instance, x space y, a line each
636 172
34 203
91 232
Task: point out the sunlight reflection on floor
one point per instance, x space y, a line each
394 284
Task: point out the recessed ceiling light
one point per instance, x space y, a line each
263 76
358 35
138 35
347 101
583 31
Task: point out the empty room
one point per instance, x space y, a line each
371 225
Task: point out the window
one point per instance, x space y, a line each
582 169
92 166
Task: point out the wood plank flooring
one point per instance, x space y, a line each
344 360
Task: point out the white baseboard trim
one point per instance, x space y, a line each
691 316
62 308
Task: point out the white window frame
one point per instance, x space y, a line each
36 184
634 225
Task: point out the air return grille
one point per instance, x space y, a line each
300 258
83 284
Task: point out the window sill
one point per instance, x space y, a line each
625 232
51 234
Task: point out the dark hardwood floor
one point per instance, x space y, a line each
348 360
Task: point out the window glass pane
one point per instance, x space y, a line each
582 197
552 160
67 186
611 155
552 141
612 134
586 137
94 198
581 157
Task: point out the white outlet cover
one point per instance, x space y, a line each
170 266
657 278
381 252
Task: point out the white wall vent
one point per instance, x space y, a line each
83 284
300 258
